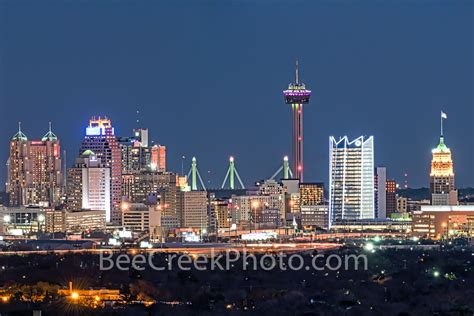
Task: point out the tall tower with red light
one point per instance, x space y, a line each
297 95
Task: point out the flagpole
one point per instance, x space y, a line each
441 123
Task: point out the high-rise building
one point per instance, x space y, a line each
158 158
193 209
297 95
442 176
380 186
311 194
313 211
221 209
351 179
100 139
391 197
88 185
137 155
35 173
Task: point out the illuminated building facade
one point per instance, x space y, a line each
136 217
221 209
193 209
297 95
137 155
351 179
444 221
100 139
313 212
442 176
311 194
391 197
315 216
88 185
35 173
158 158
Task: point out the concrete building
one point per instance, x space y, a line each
193 209
88 185
221 209
380 196
351 179
82 220
444 221
21 221
315 216
402 204
391 197
100 139
149 186
442 186
35 174
136 217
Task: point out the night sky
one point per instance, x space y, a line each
207 78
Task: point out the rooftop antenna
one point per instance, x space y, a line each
19 127
50 127
296 72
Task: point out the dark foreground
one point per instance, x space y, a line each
397 282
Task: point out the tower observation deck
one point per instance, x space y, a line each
297 95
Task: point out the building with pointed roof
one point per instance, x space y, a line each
35 173
442 186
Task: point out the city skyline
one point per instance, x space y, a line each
401 110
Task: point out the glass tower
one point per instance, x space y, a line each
351 179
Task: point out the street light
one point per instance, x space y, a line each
41 219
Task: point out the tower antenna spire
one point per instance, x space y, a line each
296 72
19 126
50 127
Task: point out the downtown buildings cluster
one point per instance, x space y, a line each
121 184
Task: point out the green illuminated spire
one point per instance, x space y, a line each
19 136
49 136
441 148
88 152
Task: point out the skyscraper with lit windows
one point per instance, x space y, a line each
100 139
351 178
442 176
34 170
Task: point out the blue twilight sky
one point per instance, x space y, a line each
207 77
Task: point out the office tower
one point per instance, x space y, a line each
442 176
138 156
146 186
136 216
297 95
141 134
158 158
193 209
88 185
313 211
221 209
34 170
351 178
100 139
391 197
311 194
380 186
315 216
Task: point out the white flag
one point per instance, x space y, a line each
444 115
